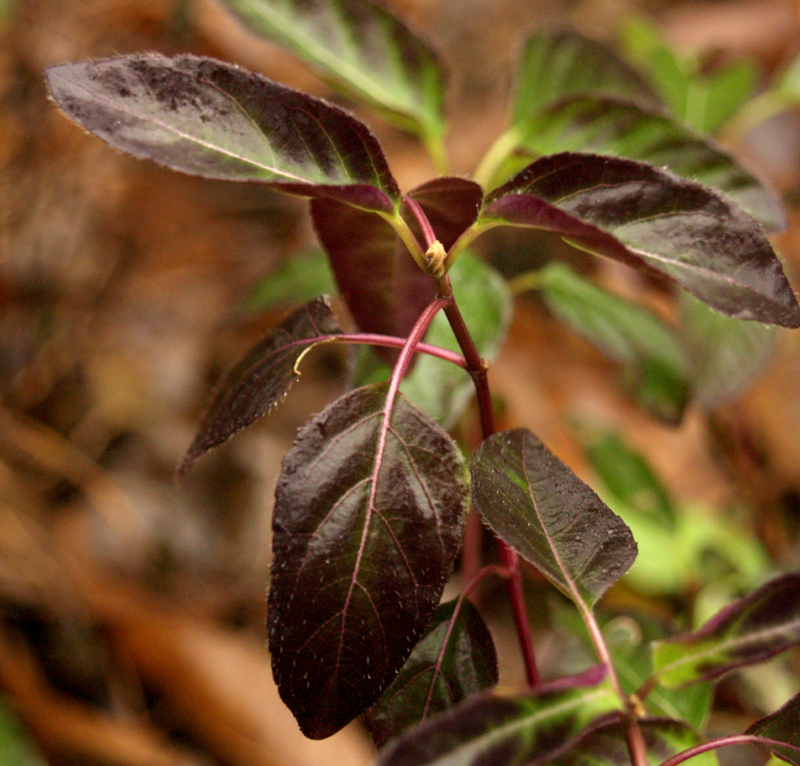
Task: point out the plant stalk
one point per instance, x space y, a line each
714 744
478 369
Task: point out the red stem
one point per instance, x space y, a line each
478 370
741 739
374 339
428 233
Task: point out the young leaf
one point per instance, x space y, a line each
213 119
750 630
383 286
369 511
620 127
361 48
652 220
506 731
783 726
262 377
540 508
431 681
629 334
725 355
606 744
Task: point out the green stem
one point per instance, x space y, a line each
497 154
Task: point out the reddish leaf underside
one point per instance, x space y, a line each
367 523
262 377
783 726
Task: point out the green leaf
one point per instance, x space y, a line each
654 221
619 127
453 660
213 119
439 388
506 731
725 355
557 66
362 49
607 745
262 377
542 510
725 91
750 630
369 512
627 333
297 280
783 726
16 746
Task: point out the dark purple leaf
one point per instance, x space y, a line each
606 744
783 726
213 119
259 380
749 630
542 510
488 730
368 517
431 681
383 286
652 220
451 204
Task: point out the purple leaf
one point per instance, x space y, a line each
542 510
213 119
783 726
655 221
383 286
488 730
262 377
749 630
432 681
368 517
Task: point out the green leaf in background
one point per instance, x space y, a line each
705 102
681 546
540 508
362 49
209 118
437 676
627 333
619 127
784 726
506 731
606 744
439 388
16 747
654 221
725 355
788 86
299 279
750 630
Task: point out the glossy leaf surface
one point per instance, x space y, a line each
541 509
620 127
606 744
630 334
213 119
725 355
784 726
454 659
652 220
752 629
505 731
262 377
369 510
361 48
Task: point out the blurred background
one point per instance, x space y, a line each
132 609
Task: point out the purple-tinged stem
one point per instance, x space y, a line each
478 370
424 224
739 739
373 339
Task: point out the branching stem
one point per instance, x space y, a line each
714 744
